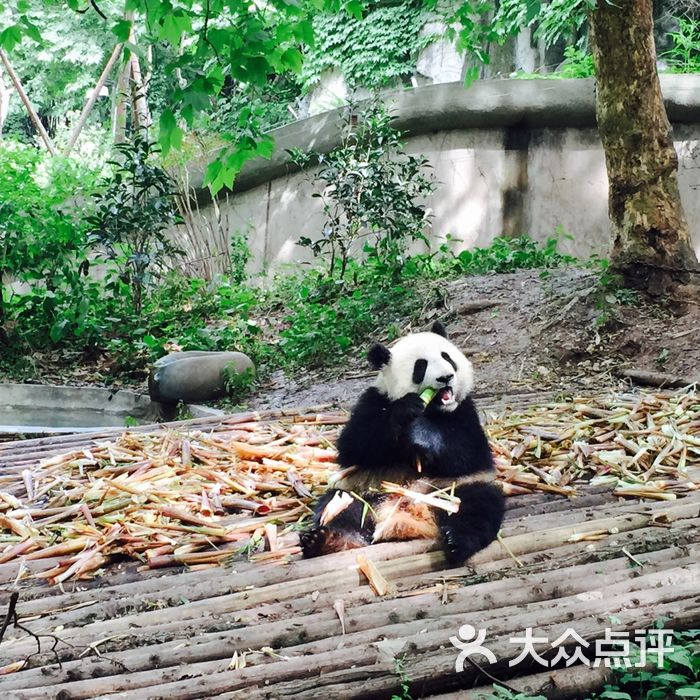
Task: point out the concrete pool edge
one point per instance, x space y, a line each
107 405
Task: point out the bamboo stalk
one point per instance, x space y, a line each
27 104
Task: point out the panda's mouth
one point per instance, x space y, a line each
445 395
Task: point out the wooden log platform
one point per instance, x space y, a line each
317 628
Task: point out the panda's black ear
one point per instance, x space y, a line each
439 329
379 355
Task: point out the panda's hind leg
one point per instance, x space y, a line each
349 529
475 525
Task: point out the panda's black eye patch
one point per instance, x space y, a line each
419 371
445 356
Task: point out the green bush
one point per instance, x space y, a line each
373 193
373 50
684 55
131 216
313 317
43 243
504 255
577 63
329 316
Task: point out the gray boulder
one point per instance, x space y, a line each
195 376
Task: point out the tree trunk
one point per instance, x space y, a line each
27 104
141 117
119 104
92 97
651 243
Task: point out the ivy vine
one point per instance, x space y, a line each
371 51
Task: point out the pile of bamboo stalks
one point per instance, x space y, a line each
643 445
198 498
169 498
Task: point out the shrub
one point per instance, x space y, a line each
372 192
43 243
506 255
132 214
684 54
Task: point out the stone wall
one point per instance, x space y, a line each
510 156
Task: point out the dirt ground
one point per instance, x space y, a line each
528 333
524 332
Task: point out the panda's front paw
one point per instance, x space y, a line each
312 541
407 409
457 547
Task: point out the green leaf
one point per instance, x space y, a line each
31 30
58 330
266 148
83 306
257 69
354 8
688 692
174 25
670 677
213 176
532 10
10 37
170 134
187 113
216 79
681 656
293 59
471 75
122 30
304 31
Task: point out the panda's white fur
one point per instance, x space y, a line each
395 378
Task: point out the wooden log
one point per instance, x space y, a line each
611 509
657 379
311 604
369 612
210 678
552 504
429 672
365 619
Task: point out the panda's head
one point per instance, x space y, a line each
420 361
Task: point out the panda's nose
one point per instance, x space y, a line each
445 379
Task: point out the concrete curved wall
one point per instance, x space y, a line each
510 156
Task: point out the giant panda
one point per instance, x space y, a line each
392 435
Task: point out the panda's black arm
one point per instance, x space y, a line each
452 444
374 437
